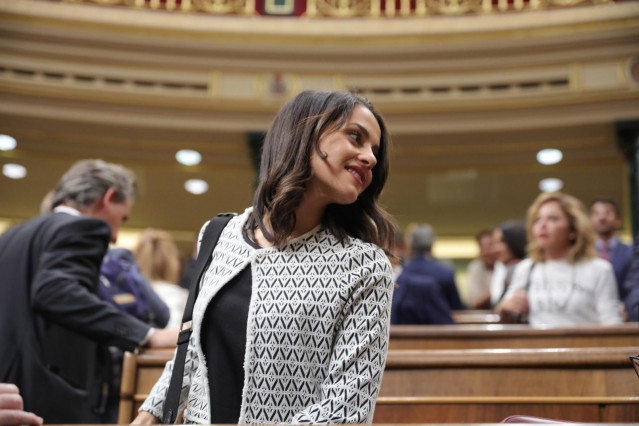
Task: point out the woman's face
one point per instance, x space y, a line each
351 154
551 228
500 248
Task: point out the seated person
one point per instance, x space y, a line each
159 260
418 299
509 248
563 282
480 272
423 263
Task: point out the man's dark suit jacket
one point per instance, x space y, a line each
418 299
429 267
620 258
631 284
53 326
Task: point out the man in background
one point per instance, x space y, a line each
480 272
54 329
423 263
606 219
631 285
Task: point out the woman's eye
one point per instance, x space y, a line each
355 135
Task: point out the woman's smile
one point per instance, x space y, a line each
351 150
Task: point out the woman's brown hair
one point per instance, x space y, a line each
285 170
158 256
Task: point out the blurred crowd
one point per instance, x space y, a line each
564 265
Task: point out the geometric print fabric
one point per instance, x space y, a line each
317 334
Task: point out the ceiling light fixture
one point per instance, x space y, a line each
549 156
196 186
7 143
550 184
188 157
14 171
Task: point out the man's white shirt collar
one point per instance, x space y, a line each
67 210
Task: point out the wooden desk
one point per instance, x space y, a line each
482 409
439 386
577 384
493 336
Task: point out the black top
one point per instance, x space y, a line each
224 343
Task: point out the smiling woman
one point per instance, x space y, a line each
295 303
316 144
343 167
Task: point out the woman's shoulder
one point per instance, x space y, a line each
355 249
520 272
597 265
350 244
524 264
234 225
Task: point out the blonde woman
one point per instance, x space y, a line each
563 282
159 261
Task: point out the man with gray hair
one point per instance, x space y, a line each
54 329
423 264
422 240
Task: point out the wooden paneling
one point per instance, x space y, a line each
465 386
485 410
511 336
561 372
576 384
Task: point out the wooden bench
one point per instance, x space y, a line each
492 336
139 374
473 410
439 386
479 385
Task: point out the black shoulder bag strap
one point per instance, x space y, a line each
209 240
509 276
530 275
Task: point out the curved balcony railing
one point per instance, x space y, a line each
345 8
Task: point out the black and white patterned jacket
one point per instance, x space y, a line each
317 334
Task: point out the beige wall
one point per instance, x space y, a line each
469 100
